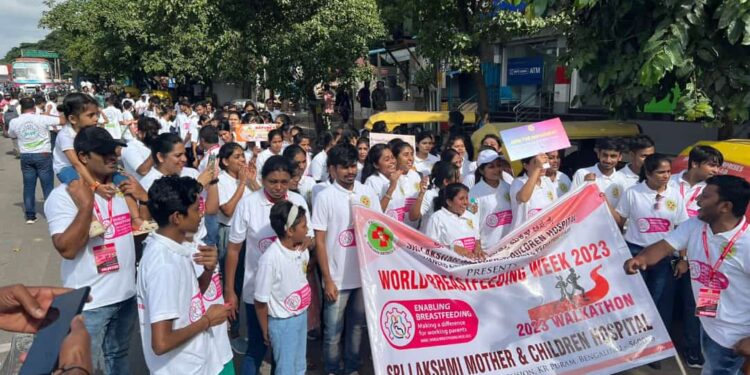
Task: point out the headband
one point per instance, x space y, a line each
292 217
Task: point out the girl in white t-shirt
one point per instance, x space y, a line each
423 159
492 196
305 141
453 225
393 179
443 173
560 180
275 143
282 293
458 143
532 191
363 148
305 184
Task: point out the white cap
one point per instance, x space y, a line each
487 156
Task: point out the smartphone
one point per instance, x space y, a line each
45 349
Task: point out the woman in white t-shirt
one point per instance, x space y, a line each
492 196
305 184
423 159
275 143
136 158
393 179
282 292
458 143
453 225
560 180
532 191
443 174
652 209
363 148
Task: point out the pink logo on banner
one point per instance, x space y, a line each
347 239
116 227
299 300
498 219
397 213
653 225
692 213
534 211
468 243
214 291
264 243
701 272
426 323
197 309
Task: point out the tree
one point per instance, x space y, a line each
631 51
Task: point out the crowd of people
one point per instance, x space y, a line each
267 227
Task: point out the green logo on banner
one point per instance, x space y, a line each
380 238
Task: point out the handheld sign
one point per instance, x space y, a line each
253 132
378 138
537 138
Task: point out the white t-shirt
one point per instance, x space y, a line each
428 207
32 132
613 186
562 184
51 108
544 195
282 281
114 116
319 187
732 323
402 198
629 177
126 133
164 125
648 225
133 156
318 167
140 106
204 161
188 123
107 262
227 187
424 166
494 211
450 229
63 142
261 160
689 193
305 187
251 223
168 290
333 214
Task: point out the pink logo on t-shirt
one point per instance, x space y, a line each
701 272
409 202
116 227
498 219
692 213
534 211
264 243
347 239
214 291
653 225
298 300
397 213
468 243
197 309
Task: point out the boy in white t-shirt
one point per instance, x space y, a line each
175 320
282 293
604 173
639 148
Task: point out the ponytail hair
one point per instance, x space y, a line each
448 193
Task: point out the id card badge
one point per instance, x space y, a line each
105 257
707 304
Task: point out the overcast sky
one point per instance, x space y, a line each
19 20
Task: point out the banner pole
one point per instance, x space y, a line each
679 364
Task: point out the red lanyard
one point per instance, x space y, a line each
693 198
99 213
726 251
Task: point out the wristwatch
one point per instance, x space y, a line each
684 258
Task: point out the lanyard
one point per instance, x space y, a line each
692 198
99 213
726 251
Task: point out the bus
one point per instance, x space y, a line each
28 74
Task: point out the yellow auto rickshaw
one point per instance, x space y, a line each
394 119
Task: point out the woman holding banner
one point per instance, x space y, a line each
443 173
532 191
492 196
388 172
453 225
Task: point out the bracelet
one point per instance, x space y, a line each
388 196
65 370
94 185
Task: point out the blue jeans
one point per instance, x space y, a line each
289 342
256 349
110 327
660 282
33 166
718 359
350 306
212 230
69 174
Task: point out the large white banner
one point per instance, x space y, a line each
551 298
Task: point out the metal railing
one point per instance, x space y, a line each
525 112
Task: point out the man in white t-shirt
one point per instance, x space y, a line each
718 250
114 117
640 147
106 262
337 258
604 173
141 105
33 133
187 123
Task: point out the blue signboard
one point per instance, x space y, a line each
525 71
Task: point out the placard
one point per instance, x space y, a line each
377 138
253 132
537 138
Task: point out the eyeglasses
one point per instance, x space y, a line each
659 198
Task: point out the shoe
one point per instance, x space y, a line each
655 365
31 220
694 361
239 345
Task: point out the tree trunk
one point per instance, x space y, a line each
726 132
482 99
312 102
